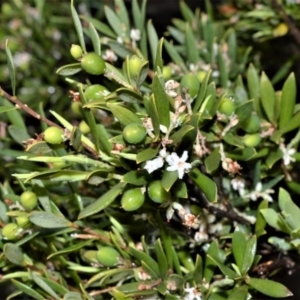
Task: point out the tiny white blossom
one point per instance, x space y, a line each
179 164
109 55
170 213
163 128
259 193
154 164
201 236
120 40
238 184
163 153
191 293
287 155
135 34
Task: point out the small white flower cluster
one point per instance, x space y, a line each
109 56
238 184
287 154
260 193
175 162
191 293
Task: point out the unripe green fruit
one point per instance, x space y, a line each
190 82
201 75
75 106
134 65
132 199
108 256
252 140
226 107
22 221
28 200
10 231
134 133
93 64
84 127
167 72
156 192
53 135
95 92
76 51
90 256
252 124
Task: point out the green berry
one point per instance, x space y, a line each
53 135
134 65
75 106
10 231
201 75
22 221
190 82
252 124
252 140
156 192
132 199
134 133
84 127
226 107
76 51
28 200
167 72
90 256
108 256
95 92
93 64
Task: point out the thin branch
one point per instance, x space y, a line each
291 25
33 113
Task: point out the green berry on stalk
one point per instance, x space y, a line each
93 63
156 192
167 72
90 256
10 231
84 127
134 133
28 200
76 51
75 106
95 92
201 75
134 65
22 220
108 256
252 124
53 135
132 199
190 83
226 107
252 140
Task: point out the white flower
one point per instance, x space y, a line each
259 193
109 55
191 294
178 164
287 154
163 128
120 40
238 184
154 164
135 34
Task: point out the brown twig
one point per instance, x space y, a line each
291 25
33 113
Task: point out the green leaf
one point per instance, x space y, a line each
260 221
104 201
169 179
146 154
244 110
138 177
4 109
288 100
95 39
292 124
102 27
43 285
198 270
162 102
11 68
249 255
186 12
233 139
161 259
202 92
158 58
239 293
18 134
191 46
180 190
114 21
14 254
269 287
273 157
138 17
253 82
178 135
153 39
287 205
268 97
212 161
75 139
27 290
129 96
239 244
153 113
222 68
122 13
243 154
69 70
224 269
48 220
175 56
72 296
124 115
274 220
15 117
205 184
78 27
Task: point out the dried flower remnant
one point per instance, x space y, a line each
110 56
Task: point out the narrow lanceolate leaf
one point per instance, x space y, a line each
161 259
14 254
205 184
269 287
153 39
239 244
124 115
268 97
95 39
114 21
288 100
78 27
239 293
291 124
69 70
162 102
122 13
253 82
175 56
27 290
192 51
104 201
158 59
11 68
48 220
249 255
43 285
201 95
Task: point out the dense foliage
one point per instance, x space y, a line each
167 172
